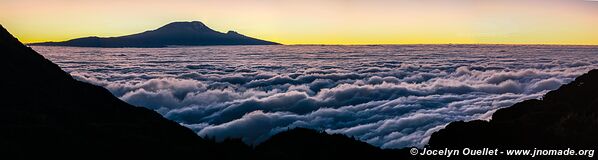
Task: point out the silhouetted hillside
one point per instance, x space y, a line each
302 143
45 111
174 34
566 117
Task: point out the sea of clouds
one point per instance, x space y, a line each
388 96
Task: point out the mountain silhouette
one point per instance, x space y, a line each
192 33
45 111
563 118
301 143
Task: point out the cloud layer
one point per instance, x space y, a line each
388 96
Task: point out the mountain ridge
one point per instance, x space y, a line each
194 33
49 112
564 118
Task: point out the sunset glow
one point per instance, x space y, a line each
317 22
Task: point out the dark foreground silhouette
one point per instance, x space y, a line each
174 34
564 118
45 111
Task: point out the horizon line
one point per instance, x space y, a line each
391 44
388 44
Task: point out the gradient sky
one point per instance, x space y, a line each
317 21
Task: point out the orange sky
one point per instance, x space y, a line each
317 21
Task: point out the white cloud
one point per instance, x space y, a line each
389 96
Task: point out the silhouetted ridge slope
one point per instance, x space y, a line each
566 117
177 33
300 143
44 110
